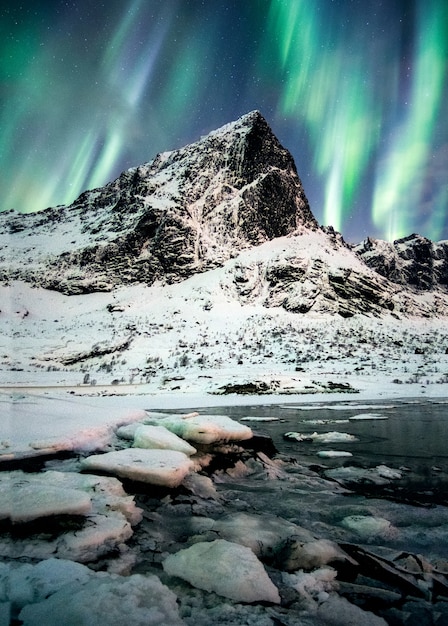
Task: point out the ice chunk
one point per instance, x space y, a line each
333 454
206 429
135 601
228 569
158 467
128 431
159 437
23 500
331 437
107 526
263 534
311 554
379 475
260 419
368 527
368 416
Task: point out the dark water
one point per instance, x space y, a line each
413 438
414 435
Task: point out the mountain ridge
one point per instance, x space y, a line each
191 210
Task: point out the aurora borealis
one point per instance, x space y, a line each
357 90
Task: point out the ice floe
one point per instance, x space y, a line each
368 416
333 454
23 500
259 419
165 468
159 437
205 429
56 592
331 437
107 515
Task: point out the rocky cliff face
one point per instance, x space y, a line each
413 261
184 212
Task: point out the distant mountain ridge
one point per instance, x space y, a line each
223 201
412 261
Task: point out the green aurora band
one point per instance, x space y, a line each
357 92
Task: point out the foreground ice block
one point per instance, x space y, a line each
165 468
228 569
109 514
24 500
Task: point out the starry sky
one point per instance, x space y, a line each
357 90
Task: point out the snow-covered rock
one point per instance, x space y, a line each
414 261
183 212
228 569
206 429
165 468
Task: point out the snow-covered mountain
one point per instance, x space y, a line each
207 264
194 209
413 261
184 212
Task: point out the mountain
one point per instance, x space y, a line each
233 200
413 261
184 212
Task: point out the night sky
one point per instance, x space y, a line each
357 90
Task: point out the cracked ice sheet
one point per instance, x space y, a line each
38 424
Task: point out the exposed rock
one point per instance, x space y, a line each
184 212
413 261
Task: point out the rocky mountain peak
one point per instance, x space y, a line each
185 211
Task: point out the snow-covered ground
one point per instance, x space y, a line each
76 363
